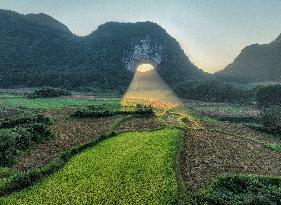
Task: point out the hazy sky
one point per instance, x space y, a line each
212 32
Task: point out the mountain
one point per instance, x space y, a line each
38 50
256 63
47 20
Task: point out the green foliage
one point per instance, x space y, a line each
211 90
105 111
256 63
144 110
22 180
49 93
274 147
19 134
59 58
268 95
23 119
271 120
242 190
132 168
49 103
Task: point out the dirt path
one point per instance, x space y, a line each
221 149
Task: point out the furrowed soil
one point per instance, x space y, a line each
69 132
223 148
140 123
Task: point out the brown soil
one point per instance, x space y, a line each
69 132
220 149
139 123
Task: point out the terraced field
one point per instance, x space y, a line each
131 168
222 149
180 155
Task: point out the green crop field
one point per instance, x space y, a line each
131 168
140 167
50 103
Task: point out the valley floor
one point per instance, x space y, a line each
149 161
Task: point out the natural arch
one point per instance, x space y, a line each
145 67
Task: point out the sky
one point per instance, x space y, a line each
211 32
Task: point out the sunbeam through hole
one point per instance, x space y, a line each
148 86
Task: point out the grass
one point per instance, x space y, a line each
274 147
131 168
51 103
244 190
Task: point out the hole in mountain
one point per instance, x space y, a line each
148 87
144 67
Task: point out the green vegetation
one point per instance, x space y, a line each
49 103
275 147
246 190
23 120
48 93
131 164
133 167
255 63
211 91
97 60
13 180
18 135
271 120
111 110
269 95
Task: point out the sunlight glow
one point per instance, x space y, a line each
145 67
149 88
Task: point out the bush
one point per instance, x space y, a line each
98 111
242 190
18 135
49 93
144 110
268 95
271 119
211 90
24 119
8 149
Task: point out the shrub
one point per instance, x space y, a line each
144 110
8 149
19 134
271 119
242 190
49 93
98 111
211 90
268 95
24 119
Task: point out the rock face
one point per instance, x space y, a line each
144 52
256 63
38 50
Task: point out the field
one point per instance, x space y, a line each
129 168
196 153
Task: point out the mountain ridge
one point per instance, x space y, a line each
42 51
255 63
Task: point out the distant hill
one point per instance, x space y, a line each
256 63
47 20
38 50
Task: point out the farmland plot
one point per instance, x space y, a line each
131 168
